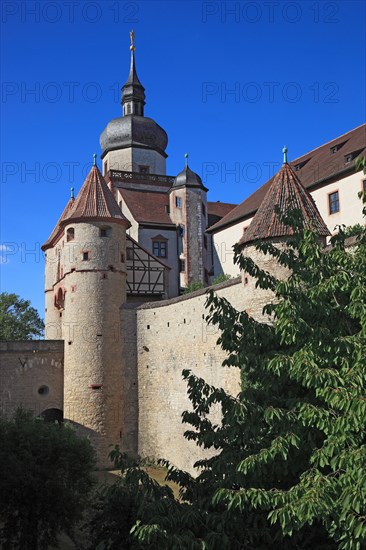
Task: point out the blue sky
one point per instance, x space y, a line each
230 82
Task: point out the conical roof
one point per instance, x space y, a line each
58 227
94 202
285 192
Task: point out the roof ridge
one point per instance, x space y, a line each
328 142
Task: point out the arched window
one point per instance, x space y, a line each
70 234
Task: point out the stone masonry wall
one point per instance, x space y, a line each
172 336
27 366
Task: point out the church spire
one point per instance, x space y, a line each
133 92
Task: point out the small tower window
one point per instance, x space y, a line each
182 265
105 232
128 109
129 253
105 167
203 210
85 256
70 234
178 202
143 169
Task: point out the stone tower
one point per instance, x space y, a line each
188 210
85 288
286 192
134 142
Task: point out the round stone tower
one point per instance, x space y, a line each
285 193
92 244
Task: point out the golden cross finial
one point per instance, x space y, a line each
132 37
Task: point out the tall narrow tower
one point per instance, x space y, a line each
134 142
188 210
88 290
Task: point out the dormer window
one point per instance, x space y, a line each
70 234
351 156
335 148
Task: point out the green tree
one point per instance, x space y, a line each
290 464
193 286
18 320
46 476
221 278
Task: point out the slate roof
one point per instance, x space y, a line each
315 169
286 191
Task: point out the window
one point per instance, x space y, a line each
203 210
178 202
85 256
182 265
364 189
105 232
70 234
105 168
160 249
333 199
129 253
182 231
144 169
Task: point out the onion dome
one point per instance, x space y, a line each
133 129
285 192
188 178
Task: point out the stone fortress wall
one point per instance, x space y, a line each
159 340
172 336
31 376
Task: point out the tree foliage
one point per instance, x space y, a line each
290 464
18 320
46 475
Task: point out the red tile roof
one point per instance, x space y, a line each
95 201
315 168
58 228
147 206
217 210
285 192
